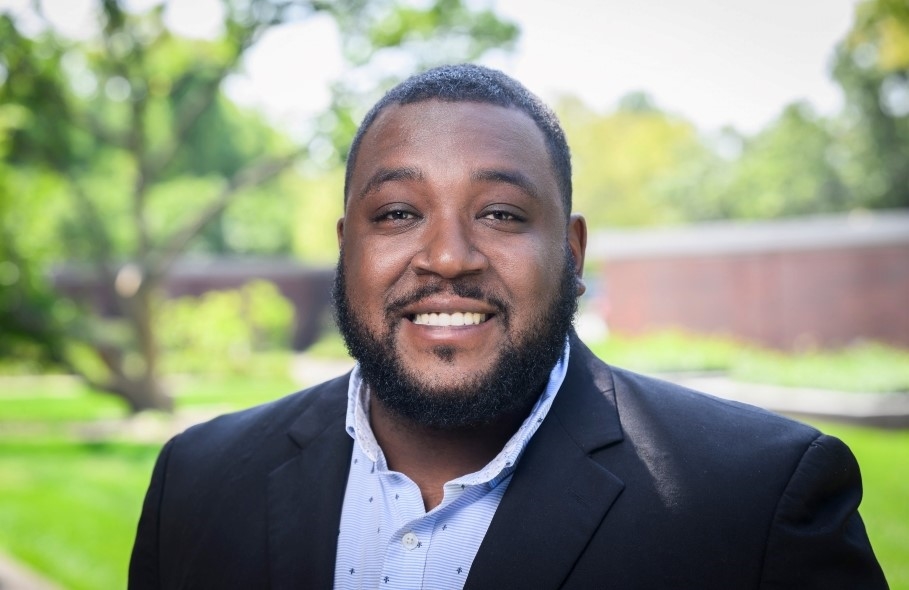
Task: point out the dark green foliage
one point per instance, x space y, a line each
30 333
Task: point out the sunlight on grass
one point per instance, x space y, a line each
668 351
69 510
56 399
864 367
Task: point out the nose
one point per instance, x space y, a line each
449 250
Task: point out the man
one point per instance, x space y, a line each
478 443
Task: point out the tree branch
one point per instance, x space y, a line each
100 239
205 97
186 118
250 176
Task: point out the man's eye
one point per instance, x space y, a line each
397 215
502 216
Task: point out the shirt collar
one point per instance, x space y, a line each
359 429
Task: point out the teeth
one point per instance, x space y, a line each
449 319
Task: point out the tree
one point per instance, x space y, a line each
789 168
872 66
128 138
626 161
27 327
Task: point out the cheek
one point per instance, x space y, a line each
530 271
373 267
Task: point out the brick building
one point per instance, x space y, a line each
814 281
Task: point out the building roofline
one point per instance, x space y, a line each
858 228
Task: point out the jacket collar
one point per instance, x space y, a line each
306 494
559 494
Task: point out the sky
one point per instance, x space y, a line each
714 62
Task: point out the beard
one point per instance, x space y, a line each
511 385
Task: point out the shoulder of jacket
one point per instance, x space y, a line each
245 429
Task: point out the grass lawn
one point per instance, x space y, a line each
863 367
68 507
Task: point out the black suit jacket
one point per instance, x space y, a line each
630 482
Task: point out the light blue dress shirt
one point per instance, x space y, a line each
387 539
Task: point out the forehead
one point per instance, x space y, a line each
453 137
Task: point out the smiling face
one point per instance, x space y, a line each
459 267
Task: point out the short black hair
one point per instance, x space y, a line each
473 83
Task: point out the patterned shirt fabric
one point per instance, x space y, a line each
387 539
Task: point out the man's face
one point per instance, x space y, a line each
455 259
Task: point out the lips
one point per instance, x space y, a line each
440 312
458 318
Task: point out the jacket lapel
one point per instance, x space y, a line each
558 495
306 495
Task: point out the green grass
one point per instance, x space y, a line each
54 400
231 393
668 351
69 509
60 400
863 367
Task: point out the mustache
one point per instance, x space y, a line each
459 288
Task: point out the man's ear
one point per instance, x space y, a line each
340 229
577 241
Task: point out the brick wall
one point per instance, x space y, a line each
828 287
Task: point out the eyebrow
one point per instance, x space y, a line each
512 177
384 175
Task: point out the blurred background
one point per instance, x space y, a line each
171 173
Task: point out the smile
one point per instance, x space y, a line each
449 319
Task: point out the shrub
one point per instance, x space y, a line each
220 331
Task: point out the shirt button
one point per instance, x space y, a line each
409 541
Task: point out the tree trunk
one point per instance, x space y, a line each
145 395
147 391
135 369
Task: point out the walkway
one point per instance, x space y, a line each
15 576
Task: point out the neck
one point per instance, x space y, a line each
431 457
